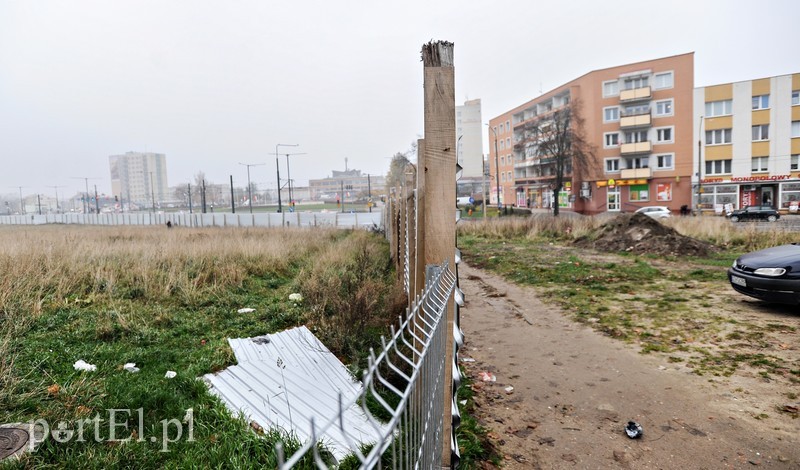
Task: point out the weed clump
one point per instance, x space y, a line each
352 294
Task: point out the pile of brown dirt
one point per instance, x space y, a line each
638 233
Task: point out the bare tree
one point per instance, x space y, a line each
397 168
560 143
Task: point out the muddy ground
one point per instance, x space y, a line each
574 390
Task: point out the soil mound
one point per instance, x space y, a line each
638 233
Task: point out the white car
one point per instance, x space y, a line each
656 212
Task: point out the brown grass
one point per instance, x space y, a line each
716 230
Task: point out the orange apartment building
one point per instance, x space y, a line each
637 119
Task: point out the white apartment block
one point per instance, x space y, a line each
749 144
469 135
139 178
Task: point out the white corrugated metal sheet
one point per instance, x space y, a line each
284 379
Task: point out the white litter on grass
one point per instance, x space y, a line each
80 364
171 374
296 297
246 310
131 367
509 389
467 359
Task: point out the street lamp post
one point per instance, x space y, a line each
278 171
249 189
496 168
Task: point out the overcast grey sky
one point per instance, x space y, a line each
214 83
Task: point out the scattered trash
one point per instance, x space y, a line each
793 408
509 389
260 340
296 297
467 359
246 310
487 377
463 402
170 374
131 367
80 364
634 430
53 389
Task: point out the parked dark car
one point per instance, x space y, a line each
772 275
755 213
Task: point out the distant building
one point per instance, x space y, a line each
750 134
354 184
469 135
638 120
139 178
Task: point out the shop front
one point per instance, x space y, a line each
724 194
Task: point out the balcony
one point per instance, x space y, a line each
636 148
635 173
636 94
640 120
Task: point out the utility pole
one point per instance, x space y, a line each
249 188
233 201
189 188
96 201
21 204
289 178
341 185
39 202
86 182
496 169
278 171
699 165
369 193
56 188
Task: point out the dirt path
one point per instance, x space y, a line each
574 390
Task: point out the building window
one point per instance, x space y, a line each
612 165
611 88
636 110
636 82
635 137
719 108
718 167
794 162
502 144
664 162
640 192
503 177
795 97
761 132
508 126
760 164
664 108
795 128
611 139
508 142
509 176
761 102
502 160
718 136
611 114
639 162
664 135
662 80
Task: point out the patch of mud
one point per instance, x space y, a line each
640 234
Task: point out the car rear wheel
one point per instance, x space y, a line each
772 218
734 218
